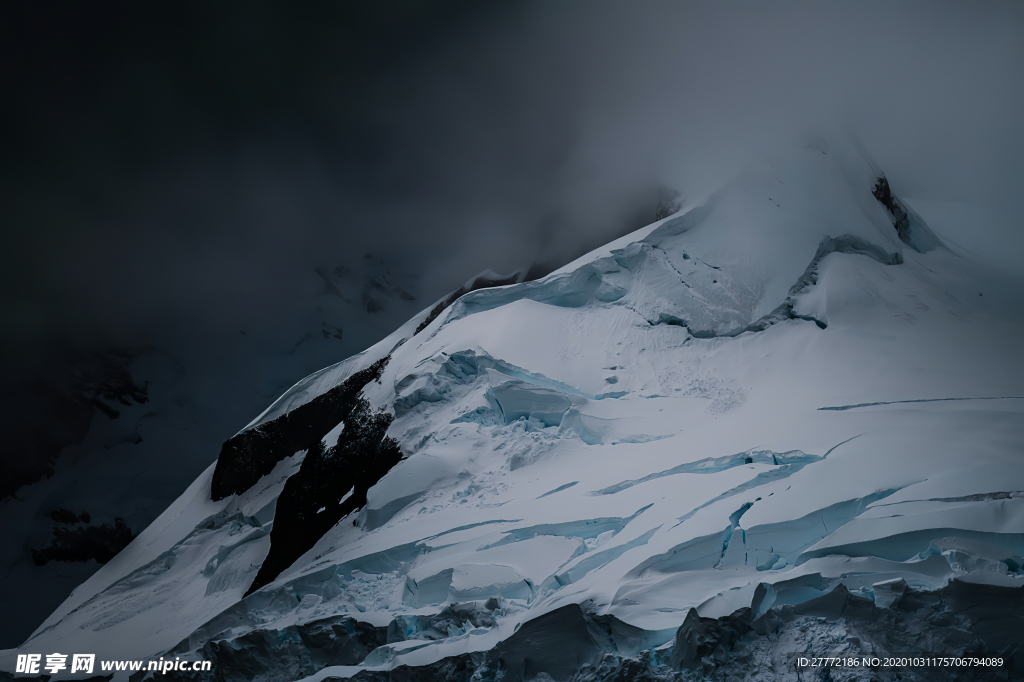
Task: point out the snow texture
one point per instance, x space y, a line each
723 439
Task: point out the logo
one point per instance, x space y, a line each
29 664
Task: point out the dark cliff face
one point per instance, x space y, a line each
908 225
333 479
252 454
289 653
331 483
574 644
883 193
962 619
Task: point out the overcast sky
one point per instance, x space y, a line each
181 171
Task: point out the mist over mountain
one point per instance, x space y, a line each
747 431
204 204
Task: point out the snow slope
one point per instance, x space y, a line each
746 404
136 459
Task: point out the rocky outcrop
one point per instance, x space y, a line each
332 482
911 229
959 620
286 654
252 454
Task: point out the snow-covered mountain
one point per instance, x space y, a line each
146 423
786 418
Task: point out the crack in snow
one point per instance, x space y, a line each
734 521
784 471
840 408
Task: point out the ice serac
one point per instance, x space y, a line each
623 470
484 280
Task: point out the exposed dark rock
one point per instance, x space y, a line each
438 626
252 454
829 606
101 543
561 643
917 623
572 645
909 226
996 614
883 193
766 624
331 483
286 654
465 668
702 638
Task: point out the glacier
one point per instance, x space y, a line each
786 418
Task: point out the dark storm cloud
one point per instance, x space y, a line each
181 172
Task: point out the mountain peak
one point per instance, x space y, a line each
720 424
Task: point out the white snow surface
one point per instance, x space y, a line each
611 436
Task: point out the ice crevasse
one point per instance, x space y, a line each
785 403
